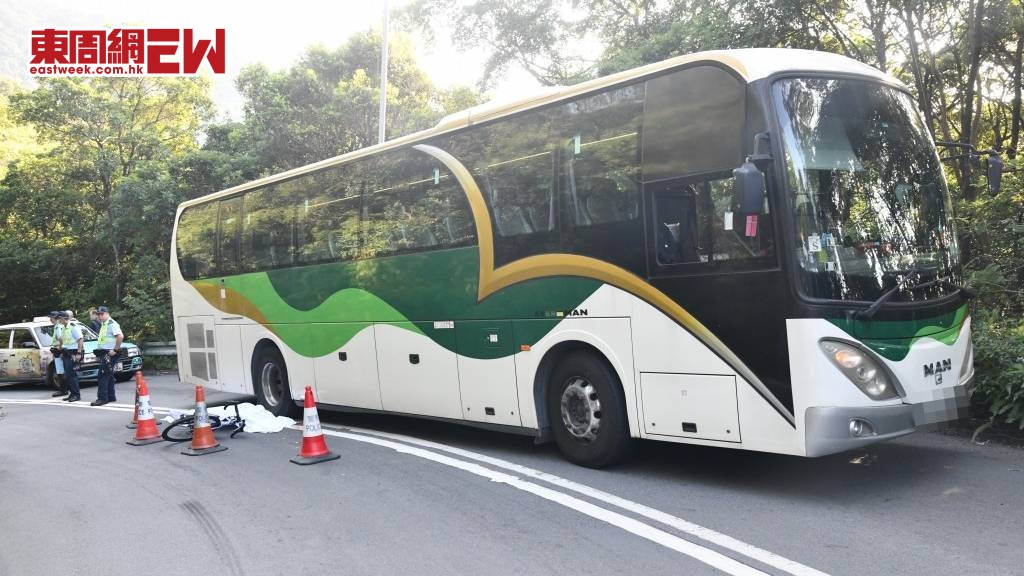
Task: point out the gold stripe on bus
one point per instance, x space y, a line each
492 279
234 302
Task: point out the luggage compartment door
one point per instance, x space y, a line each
418 370
690 406
487 371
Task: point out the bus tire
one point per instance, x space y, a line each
587 411
270 383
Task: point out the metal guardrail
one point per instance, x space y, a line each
159 349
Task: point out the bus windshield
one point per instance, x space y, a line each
870 202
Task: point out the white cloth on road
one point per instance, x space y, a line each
257 418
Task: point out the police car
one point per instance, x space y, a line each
25 354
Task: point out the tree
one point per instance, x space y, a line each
107 128
326 104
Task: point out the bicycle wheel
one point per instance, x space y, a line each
179 431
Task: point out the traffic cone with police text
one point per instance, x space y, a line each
203 441
314 448
145 431
135 415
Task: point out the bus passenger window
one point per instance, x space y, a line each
601 174
197 237
267 229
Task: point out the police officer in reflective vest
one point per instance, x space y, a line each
58 364
72 349
108 347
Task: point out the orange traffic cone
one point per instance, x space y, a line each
135 416
314 449
203 441
145 432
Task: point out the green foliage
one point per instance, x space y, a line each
999 366
327 103
92 170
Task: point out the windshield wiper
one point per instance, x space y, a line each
944 281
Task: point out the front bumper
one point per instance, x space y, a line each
827 428
91 372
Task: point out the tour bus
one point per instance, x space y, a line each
745 248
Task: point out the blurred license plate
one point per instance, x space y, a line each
118 367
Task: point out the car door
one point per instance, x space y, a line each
5 352
24 363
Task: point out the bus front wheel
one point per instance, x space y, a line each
270 383
587 411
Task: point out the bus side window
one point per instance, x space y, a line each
696 222
513 163
416 206
229 223
267 229
679 212
601 174
196 245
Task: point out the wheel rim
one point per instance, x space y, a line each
272 384
581 409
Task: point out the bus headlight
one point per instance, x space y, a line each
863 370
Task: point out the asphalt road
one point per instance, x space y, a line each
420 497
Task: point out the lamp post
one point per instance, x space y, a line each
383 75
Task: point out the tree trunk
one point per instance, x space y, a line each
1015 107
877 10
924 100
967 109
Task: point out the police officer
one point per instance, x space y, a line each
72 347
58 364
94 324
108 346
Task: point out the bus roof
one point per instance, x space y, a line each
749 63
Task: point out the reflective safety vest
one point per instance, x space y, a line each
67 337
58 333
104 337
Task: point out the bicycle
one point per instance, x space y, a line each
181 429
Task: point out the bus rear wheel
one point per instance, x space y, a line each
270 383
587 411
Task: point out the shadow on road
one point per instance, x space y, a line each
845 478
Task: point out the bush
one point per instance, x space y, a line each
999 366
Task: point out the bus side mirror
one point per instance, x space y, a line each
995 173
748 188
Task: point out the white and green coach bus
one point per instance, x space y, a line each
746 249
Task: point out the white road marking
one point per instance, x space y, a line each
723 540
79 404
696 551
405 445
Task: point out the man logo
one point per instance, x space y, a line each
937 368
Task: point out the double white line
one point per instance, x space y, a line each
470 462
514 475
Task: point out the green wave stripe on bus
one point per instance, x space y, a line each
429 286
298 303
893 339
